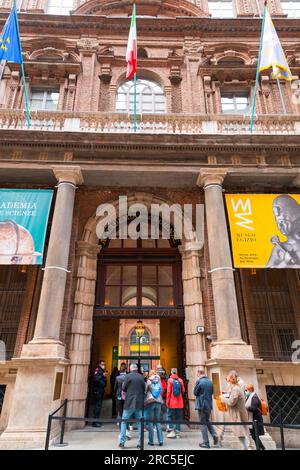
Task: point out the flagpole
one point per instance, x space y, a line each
257 70
23 71
134 111
281 96
135 117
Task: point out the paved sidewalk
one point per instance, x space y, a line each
107 438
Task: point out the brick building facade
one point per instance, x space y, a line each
196 71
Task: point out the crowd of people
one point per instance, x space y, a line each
159 397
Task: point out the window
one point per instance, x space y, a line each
291 8
150 97
284 401
221 8
59 7
145 339
44 99
12 294
138 285
272 313
235 103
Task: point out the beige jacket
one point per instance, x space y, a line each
237 410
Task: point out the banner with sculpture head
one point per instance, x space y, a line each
23 223
265 230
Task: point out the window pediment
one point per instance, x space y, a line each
40 63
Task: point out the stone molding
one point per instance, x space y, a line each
296 182
90 250
68 173
211 176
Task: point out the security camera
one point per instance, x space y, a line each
209 338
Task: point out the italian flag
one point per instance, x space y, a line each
131 54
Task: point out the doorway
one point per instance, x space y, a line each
138 280
115 341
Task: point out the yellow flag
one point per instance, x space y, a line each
272 54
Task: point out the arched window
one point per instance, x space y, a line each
59 7
150 97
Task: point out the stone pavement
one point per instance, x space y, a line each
107 438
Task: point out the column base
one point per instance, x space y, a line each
38 392
268 442
228 439
218 369
44 348
231 349
24 439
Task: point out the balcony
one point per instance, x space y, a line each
173 124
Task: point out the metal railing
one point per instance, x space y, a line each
282 426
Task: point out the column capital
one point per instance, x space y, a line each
211 176
190 248
69 173
296 181
84 248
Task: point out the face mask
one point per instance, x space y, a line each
247 394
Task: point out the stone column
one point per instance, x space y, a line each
42 365
229 351
229 339
193 317
56 269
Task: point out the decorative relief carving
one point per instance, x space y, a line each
106 73
193 46
88 44
265 85
175 75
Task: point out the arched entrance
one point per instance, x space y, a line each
95 281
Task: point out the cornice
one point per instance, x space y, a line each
116 146
80 24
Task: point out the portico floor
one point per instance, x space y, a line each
106 438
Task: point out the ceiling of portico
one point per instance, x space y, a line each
165 176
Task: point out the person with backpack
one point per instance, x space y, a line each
164 384
174 402
254 408
153 404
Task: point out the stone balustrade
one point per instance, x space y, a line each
149 123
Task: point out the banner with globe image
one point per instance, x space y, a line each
24 217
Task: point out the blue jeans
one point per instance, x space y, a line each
153 414
174 414
127 414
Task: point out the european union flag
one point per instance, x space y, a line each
10 48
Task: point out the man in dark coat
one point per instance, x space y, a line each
253 406
113 377
99 384
203 392
134 387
